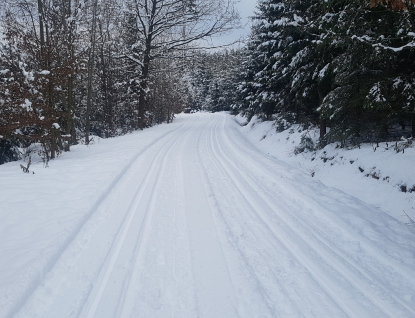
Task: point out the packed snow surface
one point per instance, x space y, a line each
191 220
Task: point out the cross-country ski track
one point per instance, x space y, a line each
199 223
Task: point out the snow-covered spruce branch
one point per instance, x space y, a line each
380 45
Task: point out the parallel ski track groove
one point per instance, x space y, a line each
321 241
112 256
324 282
268 300
288 248
252 206
180 174
192 253
385 261
144 231
113 187
212 208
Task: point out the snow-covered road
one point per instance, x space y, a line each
200 224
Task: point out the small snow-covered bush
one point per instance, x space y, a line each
403 144
306 144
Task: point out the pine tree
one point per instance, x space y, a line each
367 97
337 64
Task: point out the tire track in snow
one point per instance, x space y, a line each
339 263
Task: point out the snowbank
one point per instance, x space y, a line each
375 174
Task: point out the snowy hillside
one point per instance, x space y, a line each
377 174
191 220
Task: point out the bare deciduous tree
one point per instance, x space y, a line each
167 27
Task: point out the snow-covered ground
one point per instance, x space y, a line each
375 173
191 220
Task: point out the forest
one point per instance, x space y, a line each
72 70
347 67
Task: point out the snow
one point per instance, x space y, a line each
192 219
375 94
282 21
385 170
276 6
298 18
367 39
328 17
323 71
27 105
28 75
396 82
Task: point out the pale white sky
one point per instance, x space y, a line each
246 9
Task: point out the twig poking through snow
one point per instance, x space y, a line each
26 169
411 222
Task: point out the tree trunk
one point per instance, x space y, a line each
144 84
106 84
90 73
323 128
45 64
146 68
70 129
141 102
54 132
323 121
41 32
71 103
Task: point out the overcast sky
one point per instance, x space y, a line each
246 9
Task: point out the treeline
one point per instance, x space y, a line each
214 79
77 68
345 66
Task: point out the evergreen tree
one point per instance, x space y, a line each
347 65
365 102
